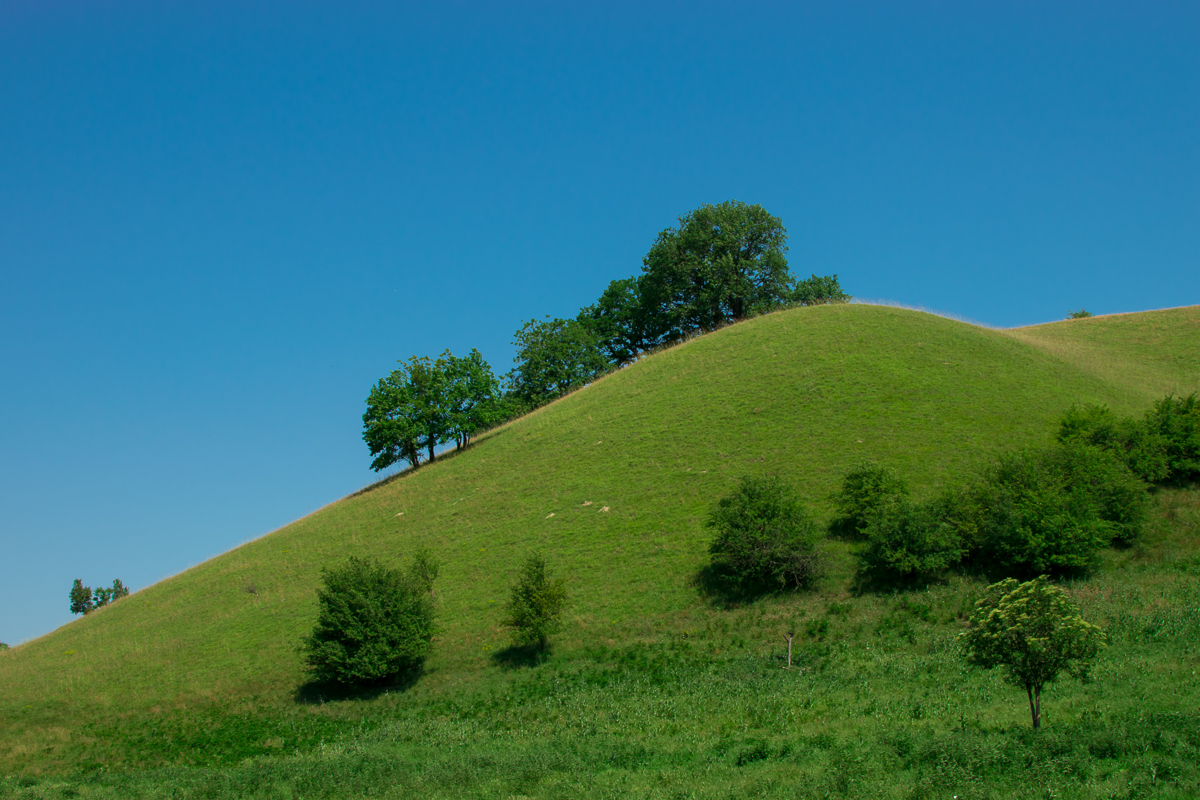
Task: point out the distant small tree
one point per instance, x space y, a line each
105 595
764 534
1080 314
373 623
1033 631
535 606
81 598
819 290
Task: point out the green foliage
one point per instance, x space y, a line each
105 595
554 357
81 598
863 489
535 605
1033 631
621 322
3 646
1047 510
819 290
1176 422
907 541
723 263
426 403
1162 447
1080 314
764 535
373 624
471 397
1144 450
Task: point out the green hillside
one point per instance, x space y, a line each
612 484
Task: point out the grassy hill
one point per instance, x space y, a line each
612 484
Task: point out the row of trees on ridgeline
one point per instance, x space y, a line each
84 599
724 263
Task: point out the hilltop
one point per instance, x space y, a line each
612 483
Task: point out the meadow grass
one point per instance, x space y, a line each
196 685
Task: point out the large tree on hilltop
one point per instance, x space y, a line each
723 263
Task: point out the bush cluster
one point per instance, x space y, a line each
1028 512
1161 447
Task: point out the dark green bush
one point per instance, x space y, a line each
1133 441
1050 510
536 603
374 624
764 535
1176 421
908 542
863 489
1163 446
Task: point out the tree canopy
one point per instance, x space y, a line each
554 356
1033 631
426 403
721 264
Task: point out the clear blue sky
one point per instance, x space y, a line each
221 222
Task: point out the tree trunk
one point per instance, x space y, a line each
1035 704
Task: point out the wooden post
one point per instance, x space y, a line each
788 638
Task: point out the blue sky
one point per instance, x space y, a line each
221 223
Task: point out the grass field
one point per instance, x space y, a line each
195 686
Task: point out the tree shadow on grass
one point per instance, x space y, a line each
882 582
520 656
316 692
720 587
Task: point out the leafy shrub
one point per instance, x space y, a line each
908 542
1133 441
764 535
535 606
1051 510
374 623
3 646
863 489
1082 313
1176 421
1161 447
1118 496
